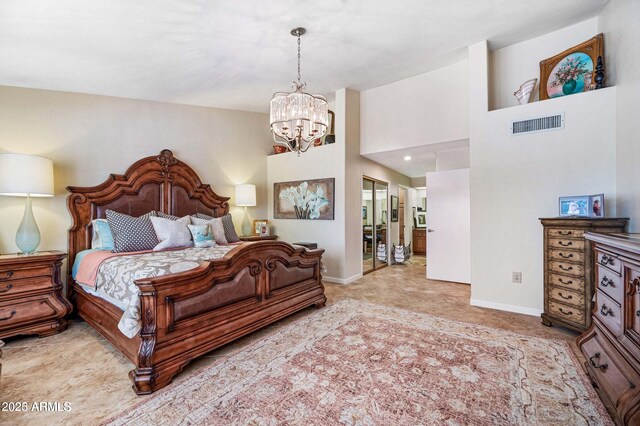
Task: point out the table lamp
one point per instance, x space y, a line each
26 176
246 196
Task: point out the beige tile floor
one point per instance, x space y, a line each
80 367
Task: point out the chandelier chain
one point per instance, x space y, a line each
298 57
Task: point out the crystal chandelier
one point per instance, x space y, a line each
298 118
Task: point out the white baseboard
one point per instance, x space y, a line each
342 280
504 307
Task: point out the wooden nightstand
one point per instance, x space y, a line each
31 300
258 238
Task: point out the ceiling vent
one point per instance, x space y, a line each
537 125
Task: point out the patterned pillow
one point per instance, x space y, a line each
167 216
216 228
202 236
227 223
172 233
102 236
132 233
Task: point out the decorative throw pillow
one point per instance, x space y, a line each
167 216
102 237
172 233
227 223
216 228
132 233
202 235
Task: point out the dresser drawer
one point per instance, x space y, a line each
25 312
610 262
566 268
564 255
567 312
566 233
613 373
573 283
609 313
7 275
610 283
567 296
16 288
565 243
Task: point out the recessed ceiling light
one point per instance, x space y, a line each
407 158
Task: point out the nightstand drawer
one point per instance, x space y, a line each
567 312
27 311
573 283
564 255
566 233
567 296
566 268
20 273
10 289
565 243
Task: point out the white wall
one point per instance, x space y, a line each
88 137
450 159
513 65
517 179
619 21
426 109
317 163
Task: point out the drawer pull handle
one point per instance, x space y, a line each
605 311
638 313
565 282
565 256
563 244
598 365
606 282
7 288
565 313
569 297
7 274
606 260
570 268
565 233
635 283
9 317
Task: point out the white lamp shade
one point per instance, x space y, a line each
22 175
245 195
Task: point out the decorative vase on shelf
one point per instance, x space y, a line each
569 86
523 94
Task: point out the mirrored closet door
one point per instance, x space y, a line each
374 224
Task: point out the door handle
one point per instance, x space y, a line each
430 230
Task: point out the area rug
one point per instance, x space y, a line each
356 363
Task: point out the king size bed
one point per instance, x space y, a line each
183 315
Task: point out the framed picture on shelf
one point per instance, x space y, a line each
597 205
421 220
577 206
571 71
259 225
394 208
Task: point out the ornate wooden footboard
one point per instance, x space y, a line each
188 314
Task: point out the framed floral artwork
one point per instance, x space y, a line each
571 71
304 199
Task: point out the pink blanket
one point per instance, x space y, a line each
88 268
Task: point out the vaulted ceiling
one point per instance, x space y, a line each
235 54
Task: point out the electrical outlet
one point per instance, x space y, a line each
516 277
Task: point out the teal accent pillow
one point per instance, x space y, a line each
202 235
102 236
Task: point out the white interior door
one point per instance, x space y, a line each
448 226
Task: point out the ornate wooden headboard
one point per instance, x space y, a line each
162 183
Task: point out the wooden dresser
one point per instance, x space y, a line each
568 276
419 245
31 300
611 346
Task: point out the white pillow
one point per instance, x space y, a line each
172 233
216 227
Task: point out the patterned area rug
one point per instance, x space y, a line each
355 363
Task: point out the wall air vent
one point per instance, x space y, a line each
536 125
